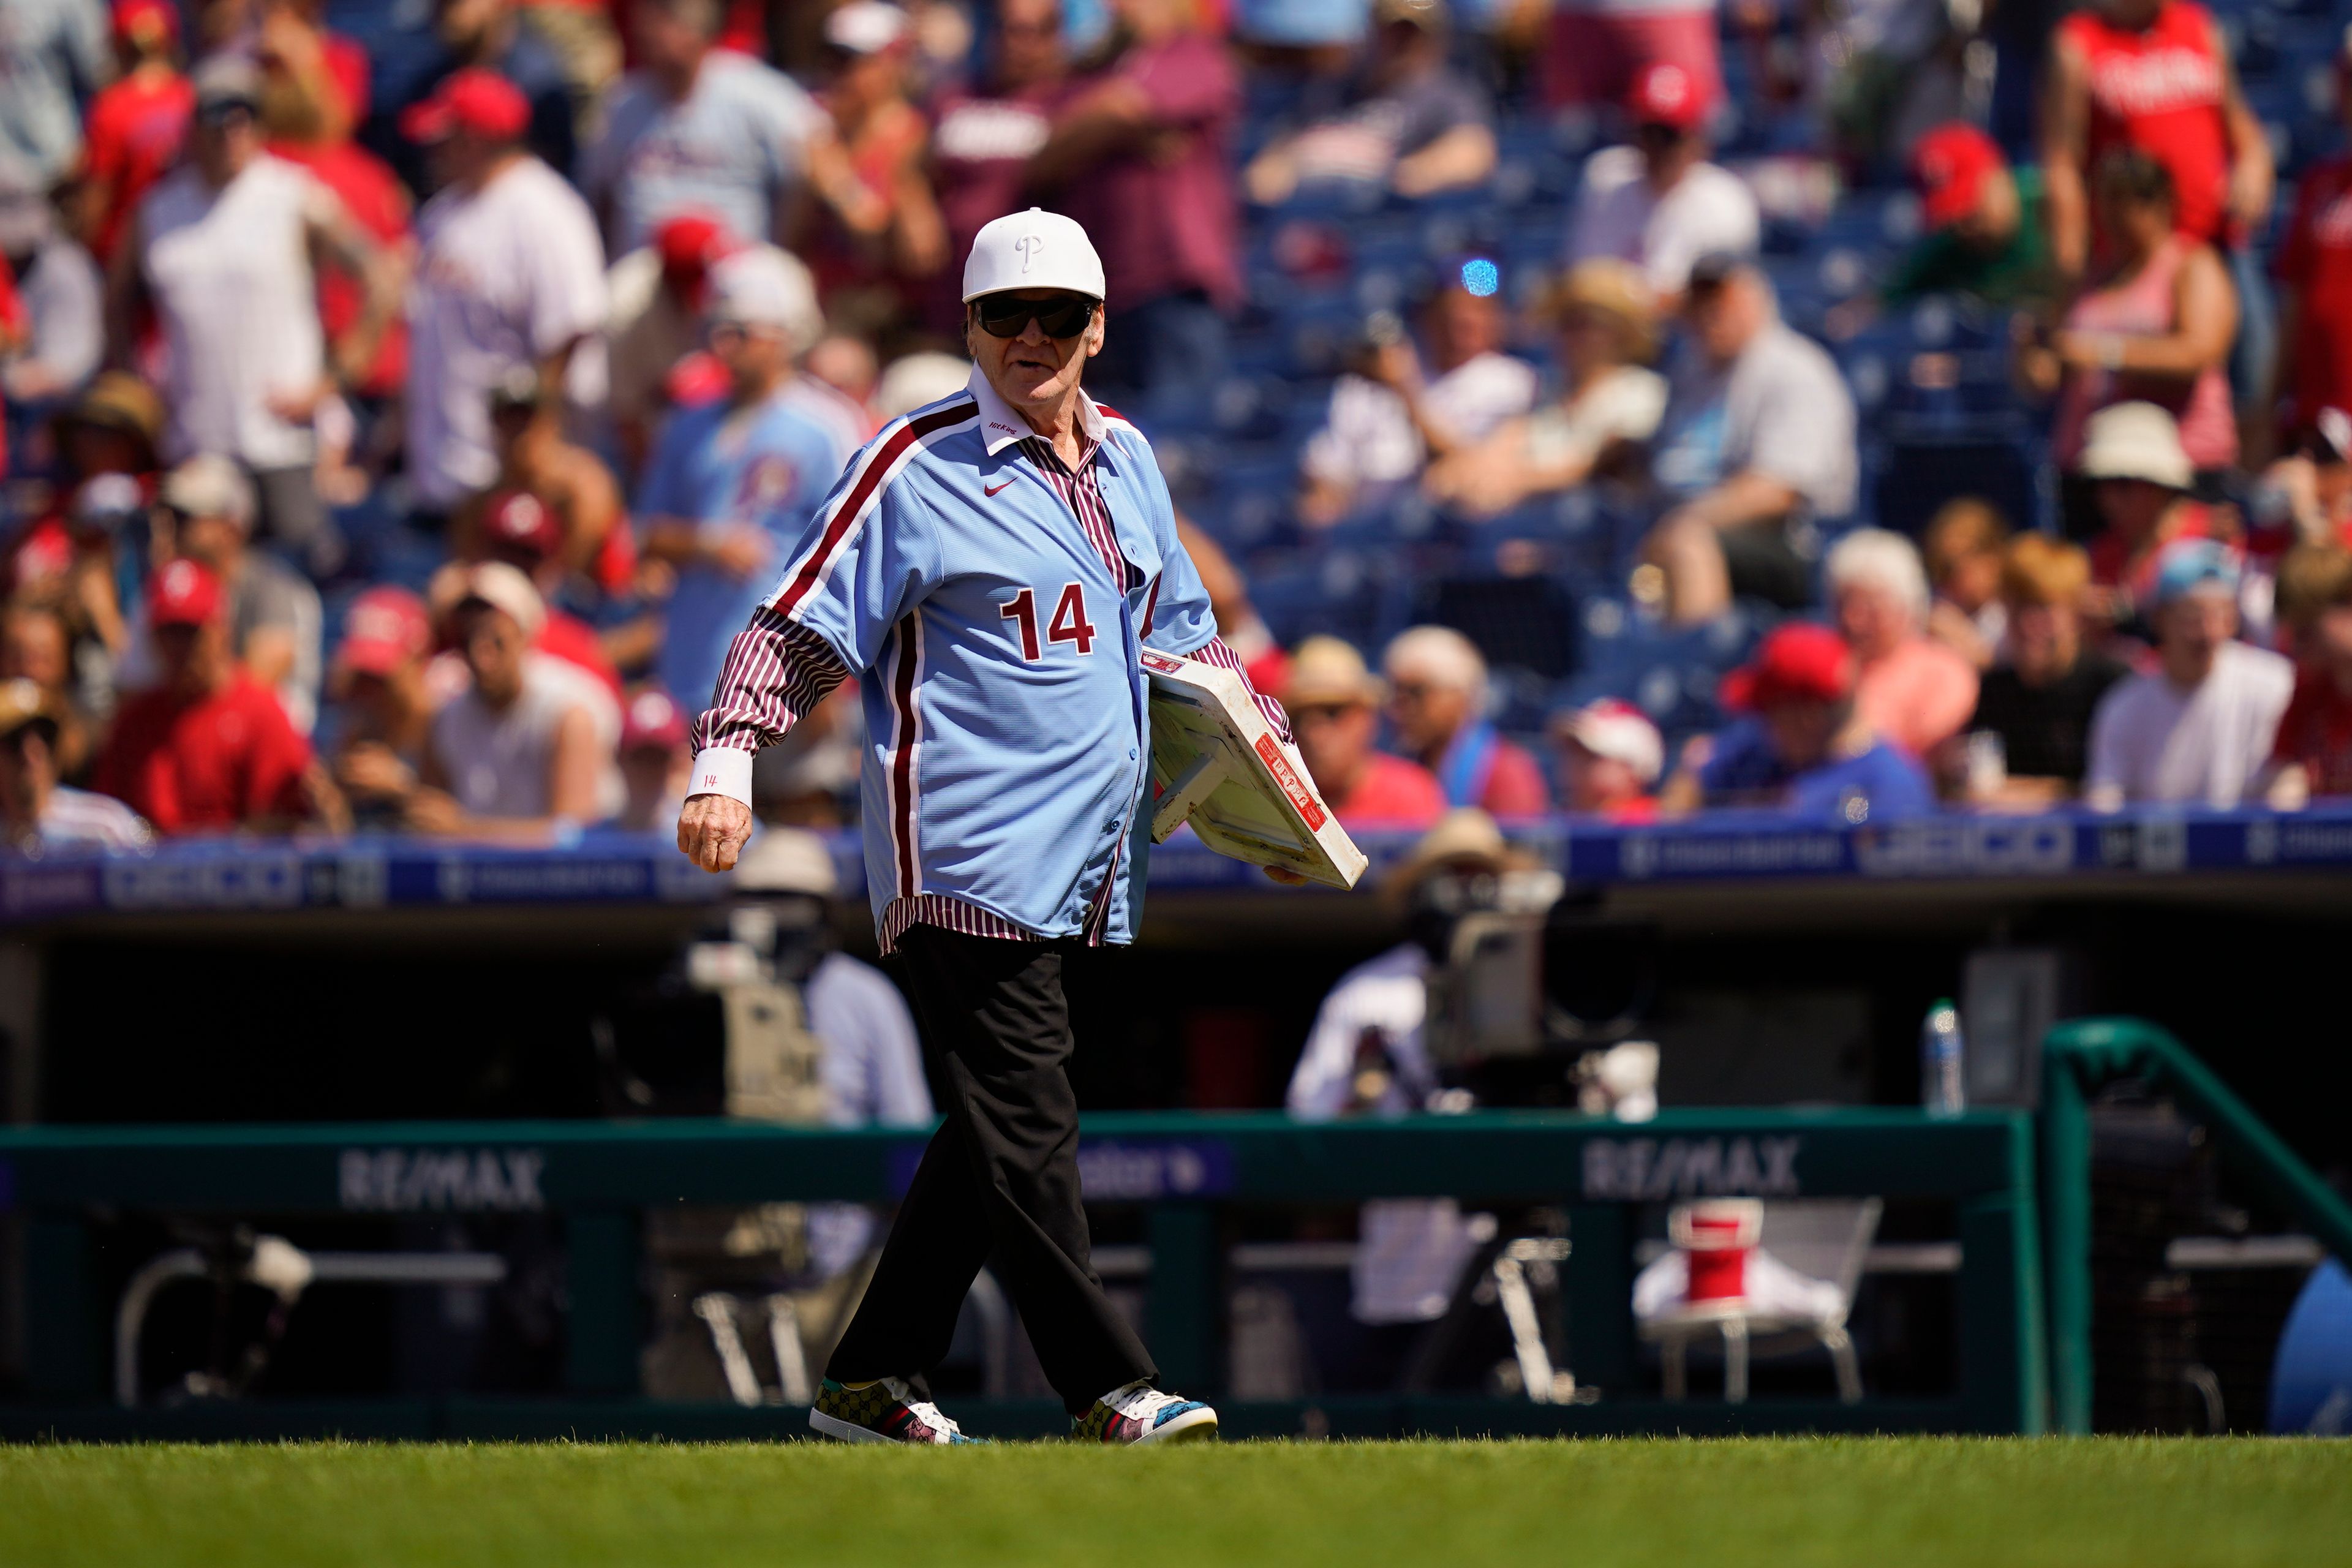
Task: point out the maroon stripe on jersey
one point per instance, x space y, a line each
948 914
845 517
902 758
776 671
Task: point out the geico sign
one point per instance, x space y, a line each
1639 1168
1966 846
464 1181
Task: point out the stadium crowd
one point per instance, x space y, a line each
1629 408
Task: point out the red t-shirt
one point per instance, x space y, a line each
2316 262
134 133
1392 792
2316 731
347 67
2161 91
1515 784
1163 215
379 204
213 765
12 322
574 641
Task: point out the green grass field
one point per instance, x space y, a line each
1900 1503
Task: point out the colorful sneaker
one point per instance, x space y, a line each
1139 1413
883 1411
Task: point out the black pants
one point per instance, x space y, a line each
998 1181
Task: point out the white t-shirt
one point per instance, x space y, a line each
1617 215
502 763
505 276
229 273
2152 740
1624 405
737 139
1409 1252
1367 437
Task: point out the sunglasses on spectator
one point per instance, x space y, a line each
1062 316
1321 712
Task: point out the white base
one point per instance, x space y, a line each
847 1431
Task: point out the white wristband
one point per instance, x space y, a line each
722 770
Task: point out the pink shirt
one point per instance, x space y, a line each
2144 307
1918 696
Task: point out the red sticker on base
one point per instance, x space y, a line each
1292 785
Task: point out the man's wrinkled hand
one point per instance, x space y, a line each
712 830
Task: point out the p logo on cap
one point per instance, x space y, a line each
1030 245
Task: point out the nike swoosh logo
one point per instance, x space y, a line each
992 489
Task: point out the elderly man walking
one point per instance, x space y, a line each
990 568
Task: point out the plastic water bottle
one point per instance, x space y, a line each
1941 1049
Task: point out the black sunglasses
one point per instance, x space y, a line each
1063 316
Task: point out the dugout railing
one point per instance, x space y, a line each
600 1179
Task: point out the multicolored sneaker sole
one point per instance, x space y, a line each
1181 1421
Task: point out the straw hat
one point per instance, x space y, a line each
1614 288
1325 670
2136 441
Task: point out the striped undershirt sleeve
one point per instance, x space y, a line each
776 671
1214 651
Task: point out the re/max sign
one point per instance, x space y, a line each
1639 1168
457 1180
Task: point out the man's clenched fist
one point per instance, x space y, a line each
712 830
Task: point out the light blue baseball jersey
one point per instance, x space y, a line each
999 658
765 467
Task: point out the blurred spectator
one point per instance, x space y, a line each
2039 698
1438 701
844 373
209 748
135 126
275 618
1658 203
2132 456
1758 437
585 37
576 528
1393 412
734 482
656 762
2197 728
489 35
868 278
515 757
38 814
63 295
519 531
1411 122
1887 72
916 380
1597 49
315 82
1238 622
1610 400
1334 704
698 128
510 277
2154 76
1139 154
2315 275
384 703
2312 753
1987 224
1908 688
1804 748
221 248
2305 497
1611 757
1964 547
1366 1056
2155 329
52 57
35 648
984 136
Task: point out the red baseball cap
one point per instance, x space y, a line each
1798 663
477 101
690 244
183 595
1951 164
384 628
522 523
146 22
652 720
1665 94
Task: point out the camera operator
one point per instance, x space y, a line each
1366 1056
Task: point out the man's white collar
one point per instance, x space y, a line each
1000 423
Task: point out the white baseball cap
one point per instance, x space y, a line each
865 27
1618 730
763 287
1032 249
